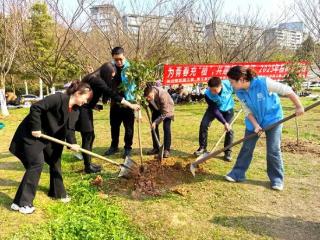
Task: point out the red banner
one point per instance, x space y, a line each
198 73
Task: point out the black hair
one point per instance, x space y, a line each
77 85
117 51
214 82
237 72
147 90
106 70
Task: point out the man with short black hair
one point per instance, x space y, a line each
220 102
118 113
162 108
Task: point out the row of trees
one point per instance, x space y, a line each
42 40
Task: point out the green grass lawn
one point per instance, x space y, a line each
209 208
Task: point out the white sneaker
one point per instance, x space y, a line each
78 155
229 179
66 199
27 209
15 207
277 187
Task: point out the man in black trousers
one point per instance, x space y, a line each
118 113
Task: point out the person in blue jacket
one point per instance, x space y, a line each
220 102
261 103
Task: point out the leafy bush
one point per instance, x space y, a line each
87 216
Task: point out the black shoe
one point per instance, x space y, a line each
166 154
227 157
111 151
153 151
200 151
127 153
92 169
96 166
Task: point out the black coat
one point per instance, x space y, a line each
50 116
99 87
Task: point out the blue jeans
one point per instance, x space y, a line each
274 159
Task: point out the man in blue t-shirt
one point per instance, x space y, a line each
220 102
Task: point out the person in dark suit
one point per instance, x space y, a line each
49 116
119 114
99 82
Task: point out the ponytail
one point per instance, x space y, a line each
77 85
237 72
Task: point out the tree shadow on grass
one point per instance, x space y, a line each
12 165
287 228
5 200
5 155
8 183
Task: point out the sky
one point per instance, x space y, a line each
269 9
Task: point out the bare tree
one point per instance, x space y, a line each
227 38
309 12
10 40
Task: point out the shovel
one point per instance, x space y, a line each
125 168
220 139
160 147
195 164
139 140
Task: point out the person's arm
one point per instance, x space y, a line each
39 108
215 109
210 102
249 115
287 91
164 109
252 119
107 91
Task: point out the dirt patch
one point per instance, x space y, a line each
301 148
156 180
98 181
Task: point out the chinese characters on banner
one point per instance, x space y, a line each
198 73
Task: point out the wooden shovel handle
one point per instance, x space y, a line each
52 139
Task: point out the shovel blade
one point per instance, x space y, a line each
193 169
160 154
127 168
202 155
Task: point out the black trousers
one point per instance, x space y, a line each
166 131
34 165
205 124
87 143
120 115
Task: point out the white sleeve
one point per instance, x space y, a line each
279 88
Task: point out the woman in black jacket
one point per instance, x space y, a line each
49 116
99 82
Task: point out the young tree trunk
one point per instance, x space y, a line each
26 87
41 89
13 86
4 109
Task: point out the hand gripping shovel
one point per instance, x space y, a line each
160 147
125 169
196 163
219 140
